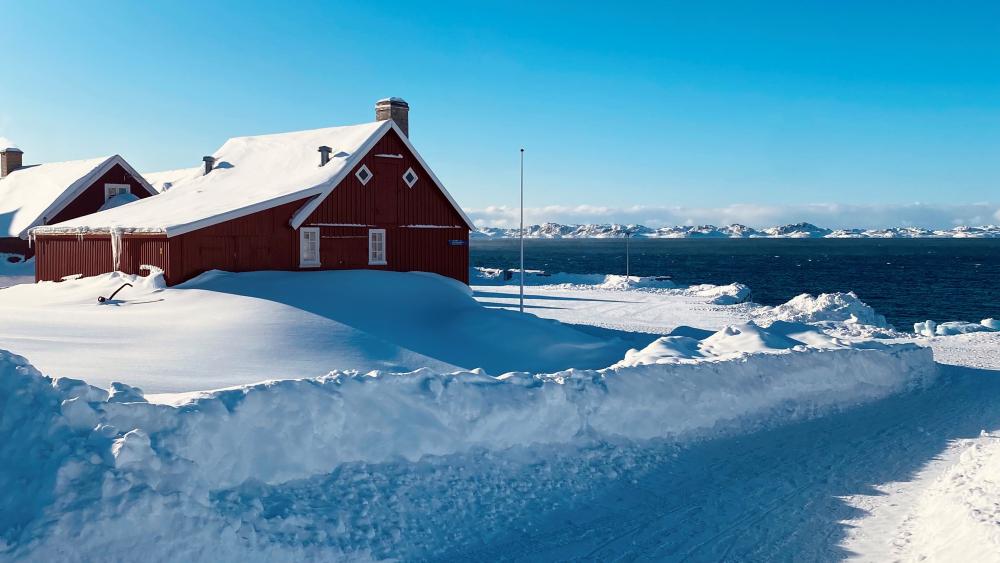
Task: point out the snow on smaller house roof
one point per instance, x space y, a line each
251 174
31 193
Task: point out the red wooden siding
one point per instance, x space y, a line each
91 199
58 257
143 250
386 200
261 241
90 255
429 250
407 249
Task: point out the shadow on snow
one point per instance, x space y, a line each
770 495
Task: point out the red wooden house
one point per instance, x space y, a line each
42 194
338 198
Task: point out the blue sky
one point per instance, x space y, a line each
661 113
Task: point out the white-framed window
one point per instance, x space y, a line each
309 247
111 190
410 177
364 175
376 247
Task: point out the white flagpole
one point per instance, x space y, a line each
522 233
628 236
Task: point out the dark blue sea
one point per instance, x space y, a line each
907 280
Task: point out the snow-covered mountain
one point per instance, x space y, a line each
797 230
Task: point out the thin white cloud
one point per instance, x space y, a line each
830 215
6 142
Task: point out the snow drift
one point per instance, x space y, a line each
951 328
687 344
827 307
497 276
957 516
229 325
82 469
730 294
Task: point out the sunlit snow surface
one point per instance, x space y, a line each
720 433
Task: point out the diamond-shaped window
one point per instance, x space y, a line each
364 175
410 177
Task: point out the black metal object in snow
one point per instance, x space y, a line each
103 299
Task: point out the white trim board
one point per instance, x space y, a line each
303 232
385 248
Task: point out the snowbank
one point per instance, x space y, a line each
721 294
82 470
688 344
843 314
826 307
497 276
957 517
350 320
716 294
931 328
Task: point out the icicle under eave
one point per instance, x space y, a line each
116 248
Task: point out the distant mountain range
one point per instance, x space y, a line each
798 230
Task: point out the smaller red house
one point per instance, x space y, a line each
352 197
42 194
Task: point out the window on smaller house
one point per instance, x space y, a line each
309 247
410 177
376 247
364 175
111 190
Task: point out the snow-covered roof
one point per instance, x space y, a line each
251 174
33 193
166 179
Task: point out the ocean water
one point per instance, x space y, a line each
906 280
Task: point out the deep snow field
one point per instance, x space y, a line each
377 415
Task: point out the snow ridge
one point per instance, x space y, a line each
115 470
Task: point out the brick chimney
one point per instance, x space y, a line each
209 163
395 109
10 160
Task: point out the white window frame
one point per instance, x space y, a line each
111 190
415 177
304 262
364 182
374 257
